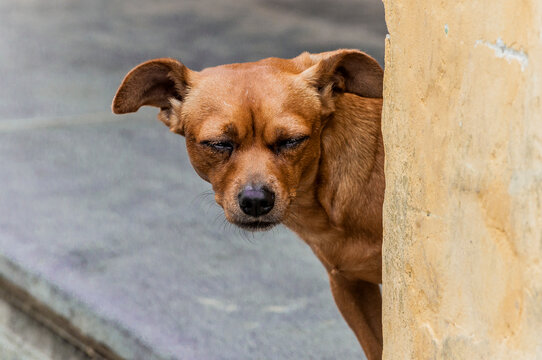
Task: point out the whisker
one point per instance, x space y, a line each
225 224
218 217
204 195
244 234
206 198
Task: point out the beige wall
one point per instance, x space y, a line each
462 126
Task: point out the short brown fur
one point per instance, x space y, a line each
307 130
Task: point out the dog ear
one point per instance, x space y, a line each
350 71
162 83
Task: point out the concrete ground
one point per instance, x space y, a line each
102 218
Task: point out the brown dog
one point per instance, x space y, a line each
296 142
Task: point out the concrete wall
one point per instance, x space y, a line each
462 125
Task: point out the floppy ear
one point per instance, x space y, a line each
350 71
162 83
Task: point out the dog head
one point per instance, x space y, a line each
252 130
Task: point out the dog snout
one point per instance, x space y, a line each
256 200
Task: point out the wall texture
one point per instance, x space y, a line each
462 125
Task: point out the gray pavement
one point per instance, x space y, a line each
101 216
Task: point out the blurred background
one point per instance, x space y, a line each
102 219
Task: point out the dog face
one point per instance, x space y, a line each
250 136
252 130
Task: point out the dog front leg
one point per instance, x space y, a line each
360 303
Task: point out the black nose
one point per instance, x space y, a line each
256 200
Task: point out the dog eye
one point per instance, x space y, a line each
287 144
220 146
